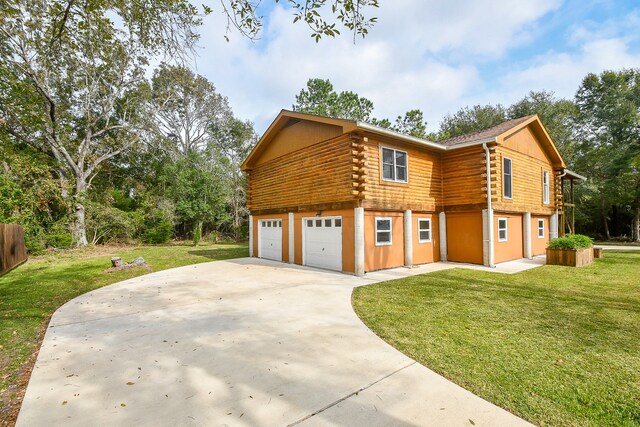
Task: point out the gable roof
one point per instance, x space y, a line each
493 134
489 133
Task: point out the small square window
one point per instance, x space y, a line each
318 223
502 229
327 223
268 223
383 232
338 222
309 223
424 230
280 224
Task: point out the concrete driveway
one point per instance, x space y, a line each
243 342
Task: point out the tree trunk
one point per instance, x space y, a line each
605 224
79 229
635 228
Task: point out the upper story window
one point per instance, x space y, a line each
507 178
424 230
383 231
502 229
545 187
394 165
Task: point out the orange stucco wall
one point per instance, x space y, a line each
513 248
464 237
539 244
427 251
380 257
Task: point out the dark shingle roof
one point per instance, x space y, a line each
491 132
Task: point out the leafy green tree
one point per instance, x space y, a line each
471 119
196 188
231 144
320 98
412 123
608 128
185 106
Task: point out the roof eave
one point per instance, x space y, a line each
408 138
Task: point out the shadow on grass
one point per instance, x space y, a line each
221 253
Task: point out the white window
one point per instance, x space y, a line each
394 165
383 231
502 229
424 230
507 178
545 187
541 228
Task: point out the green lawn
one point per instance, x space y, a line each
31 293
554 345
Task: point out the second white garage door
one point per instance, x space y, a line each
323 242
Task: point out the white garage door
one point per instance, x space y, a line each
270 239
323 242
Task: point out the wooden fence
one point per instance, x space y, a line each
14 251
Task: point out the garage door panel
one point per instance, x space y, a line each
323 242
270 245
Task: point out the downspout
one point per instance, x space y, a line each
489 207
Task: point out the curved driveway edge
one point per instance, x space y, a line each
243 342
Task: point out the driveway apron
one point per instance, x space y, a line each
243 342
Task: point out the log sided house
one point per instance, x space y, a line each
348 196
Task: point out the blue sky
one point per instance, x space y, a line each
435 55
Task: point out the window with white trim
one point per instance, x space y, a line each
545 187
502 229
383 231
540 228
507 178
394 165
424 230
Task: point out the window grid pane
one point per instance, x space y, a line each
506 178
338 222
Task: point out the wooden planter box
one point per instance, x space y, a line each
598 253
570 257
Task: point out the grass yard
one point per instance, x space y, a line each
31 293
554 345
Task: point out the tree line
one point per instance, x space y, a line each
93 151
597 132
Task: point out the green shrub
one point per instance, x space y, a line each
571 241
159 232
35 243
58 235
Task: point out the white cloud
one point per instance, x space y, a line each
562 73
422 54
